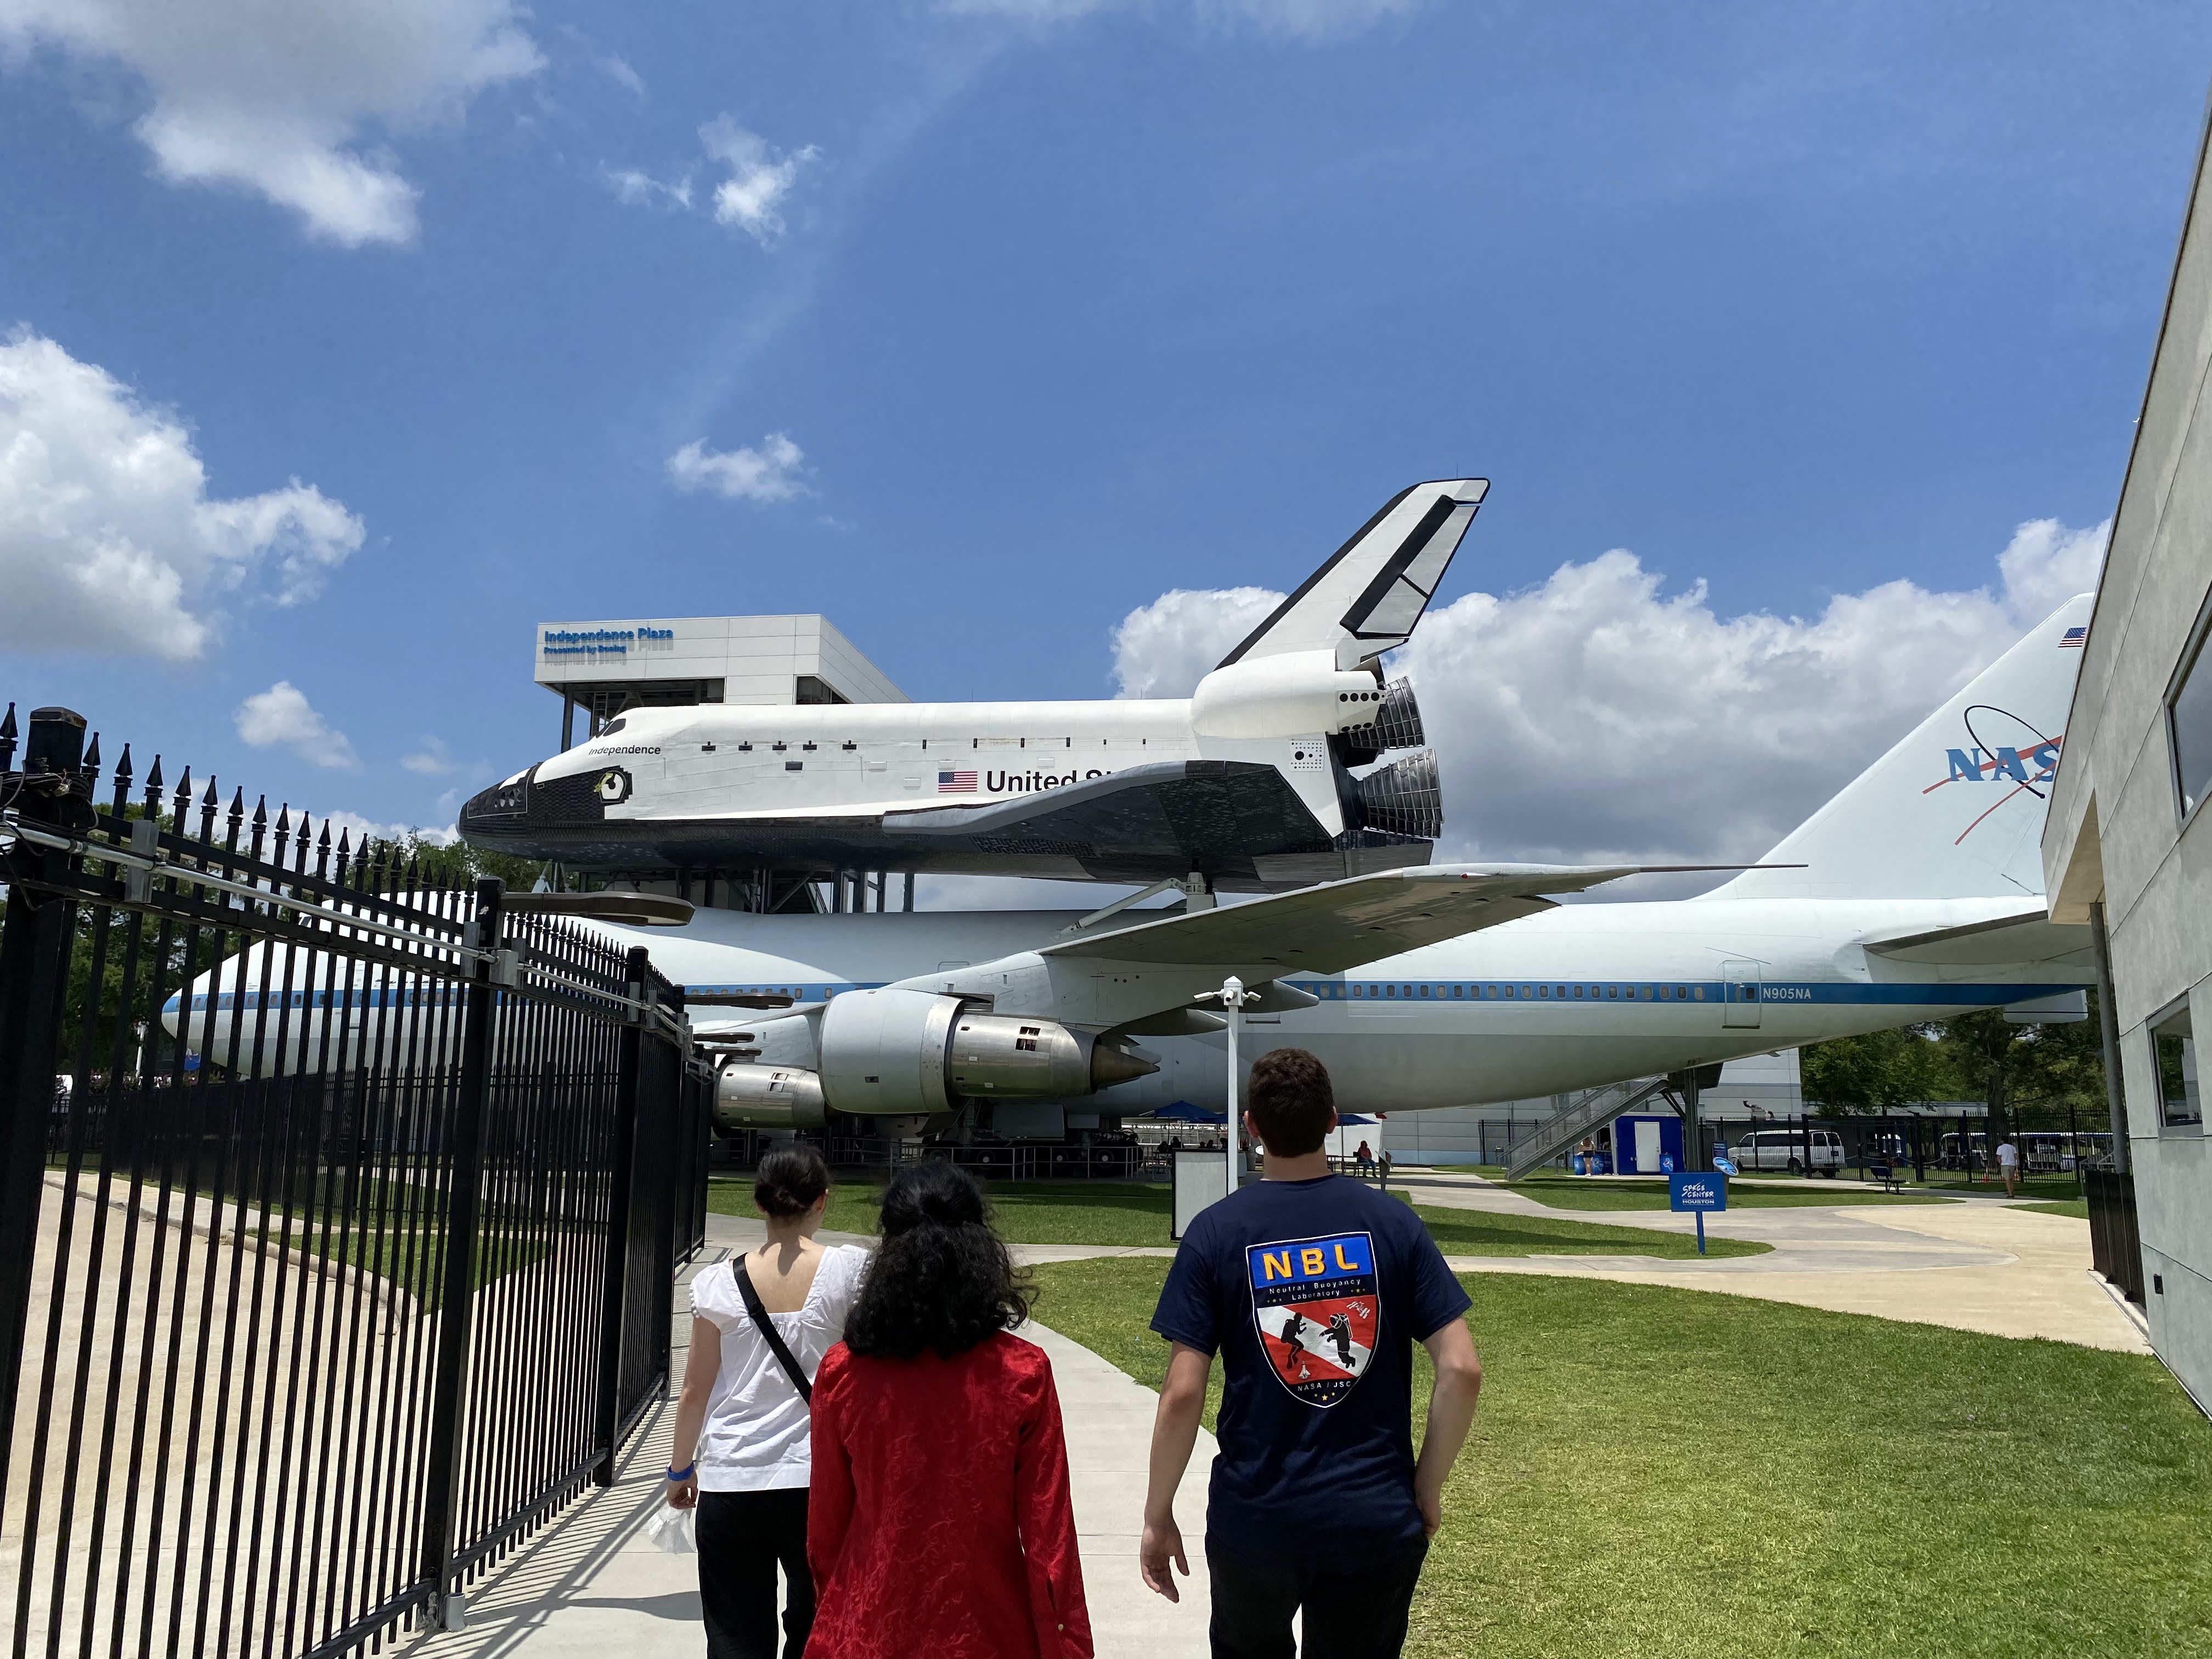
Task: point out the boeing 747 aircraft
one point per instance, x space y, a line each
1915 894
1247 784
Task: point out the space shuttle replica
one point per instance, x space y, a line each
725 774
1249 785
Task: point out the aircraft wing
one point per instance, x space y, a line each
1344 924
2030 936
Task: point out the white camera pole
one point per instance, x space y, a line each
1233 998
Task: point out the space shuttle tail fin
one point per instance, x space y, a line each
1956 809
1367 598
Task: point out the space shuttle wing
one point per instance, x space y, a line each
1211 816
1344 924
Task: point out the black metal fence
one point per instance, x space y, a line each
338 1216
2115 1245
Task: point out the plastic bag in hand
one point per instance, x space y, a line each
674 1531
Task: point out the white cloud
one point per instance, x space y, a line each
433 760
275 94
1164 648
1310 19
770 473
108 540
362 830
282 718
1594 717
635 189
760 179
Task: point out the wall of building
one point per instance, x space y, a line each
2116 832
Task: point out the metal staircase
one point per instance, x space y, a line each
1540 1143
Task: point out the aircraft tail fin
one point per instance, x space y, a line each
1367 598
1956 809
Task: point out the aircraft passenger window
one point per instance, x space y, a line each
1425 990
1578 990
1458 991
1389 990
1563 990
1699 993
1612 991
1543 990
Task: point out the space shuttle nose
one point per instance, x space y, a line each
1111 1064
502 806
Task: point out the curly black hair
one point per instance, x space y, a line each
790 1179
942 1279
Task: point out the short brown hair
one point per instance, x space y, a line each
1290 1102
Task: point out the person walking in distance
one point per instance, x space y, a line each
941 1521
739 1450
2009 1167
1317 1502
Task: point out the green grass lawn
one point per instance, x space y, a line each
2054 1188
1658 1472
1121 1212
2076 1208
1565 1192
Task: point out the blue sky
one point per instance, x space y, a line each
1062 307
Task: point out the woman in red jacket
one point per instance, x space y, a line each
939 1522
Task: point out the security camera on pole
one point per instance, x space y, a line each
1234 996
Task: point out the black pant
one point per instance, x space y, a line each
742 1537
1354 1614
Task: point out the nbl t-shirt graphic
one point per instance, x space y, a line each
1312 1293
1316 1302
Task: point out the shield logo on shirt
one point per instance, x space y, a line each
1316 1304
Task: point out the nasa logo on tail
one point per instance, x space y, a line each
1316 1302
2029 762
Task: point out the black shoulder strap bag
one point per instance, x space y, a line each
769 1332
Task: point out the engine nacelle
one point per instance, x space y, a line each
896 1051
752 1096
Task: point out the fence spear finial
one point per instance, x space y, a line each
8 739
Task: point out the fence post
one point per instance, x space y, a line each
607 1425
448 1385
34 952
674 1125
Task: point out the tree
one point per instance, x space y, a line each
1878 1072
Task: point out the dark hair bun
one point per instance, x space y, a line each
935 1192
790 1179
942 1280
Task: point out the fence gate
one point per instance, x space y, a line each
338 1215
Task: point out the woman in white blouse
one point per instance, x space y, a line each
740 1446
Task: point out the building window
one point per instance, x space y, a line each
2189 717
2173 1052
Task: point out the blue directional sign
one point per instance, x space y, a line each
1689 1190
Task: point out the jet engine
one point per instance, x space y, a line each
895 1052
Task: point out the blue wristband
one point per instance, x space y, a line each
685 1473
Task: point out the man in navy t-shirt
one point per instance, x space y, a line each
1314 1288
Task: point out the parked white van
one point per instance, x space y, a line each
1785 1149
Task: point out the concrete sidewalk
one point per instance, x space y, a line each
591 1585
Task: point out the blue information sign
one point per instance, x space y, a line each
1689 1190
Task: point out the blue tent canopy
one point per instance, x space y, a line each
1183 1112
1351 1121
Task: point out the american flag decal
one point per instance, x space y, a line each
2072 638
956 783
